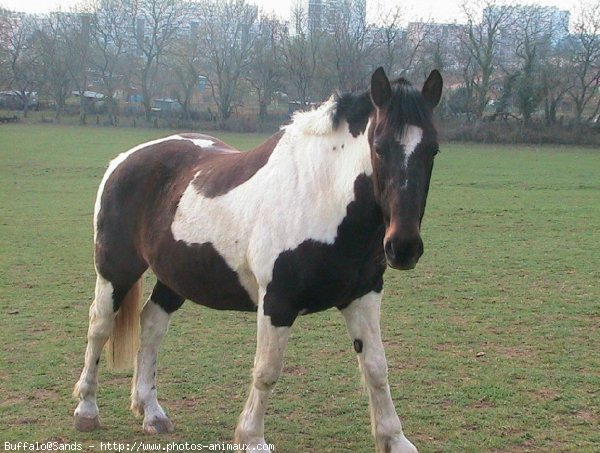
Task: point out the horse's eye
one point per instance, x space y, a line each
379 149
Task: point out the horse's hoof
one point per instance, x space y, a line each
158 426
401 445
86 424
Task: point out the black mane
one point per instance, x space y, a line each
355 108
407 107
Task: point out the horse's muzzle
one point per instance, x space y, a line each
403 253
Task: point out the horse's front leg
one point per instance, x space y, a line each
271 342
362 320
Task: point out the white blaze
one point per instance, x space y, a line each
411 138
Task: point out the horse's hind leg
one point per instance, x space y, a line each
154 322
101 323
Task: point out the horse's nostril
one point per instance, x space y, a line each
420 248
403 253
389 250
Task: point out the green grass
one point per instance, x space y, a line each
511 269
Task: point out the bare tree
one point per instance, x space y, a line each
485 21
585 60
156 23
532 30
112 41
75 33
228 34
389 37
300 50
351 44
53 55
264 71
185 62
412 49
20 58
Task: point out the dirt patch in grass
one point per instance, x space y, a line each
547 394
588 416
297 370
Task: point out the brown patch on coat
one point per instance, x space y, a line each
222 172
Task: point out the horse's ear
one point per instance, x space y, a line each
432 89
381 91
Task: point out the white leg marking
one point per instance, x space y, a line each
362 320
154 322
100 326
270 346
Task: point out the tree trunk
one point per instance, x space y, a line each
82 112
262 112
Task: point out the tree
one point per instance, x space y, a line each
389 38
53 54
555 81
351 44
412 49
264 71
532 28
585 60
111 44
228 34
75 31
156 23
481 40
20 58
300 49
185 63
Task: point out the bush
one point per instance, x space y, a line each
513 132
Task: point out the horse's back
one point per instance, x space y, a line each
137 205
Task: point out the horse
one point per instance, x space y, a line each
307 221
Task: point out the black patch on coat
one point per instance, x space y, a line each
316 276
358 345
199 272
166 298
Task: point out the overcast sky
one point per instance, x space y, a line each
438 10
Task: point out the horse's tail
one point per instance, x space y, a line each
125 337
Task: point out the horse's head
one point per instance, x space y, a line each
403 143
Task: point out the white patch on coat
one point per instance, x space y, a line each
318 121
201 142
301 193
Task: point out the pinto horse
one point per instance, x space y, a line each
303 223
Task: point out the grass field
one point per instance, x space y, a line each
493 341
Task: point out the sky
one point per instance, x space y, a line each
439 11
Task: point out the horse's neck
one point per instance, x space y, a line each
329 162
